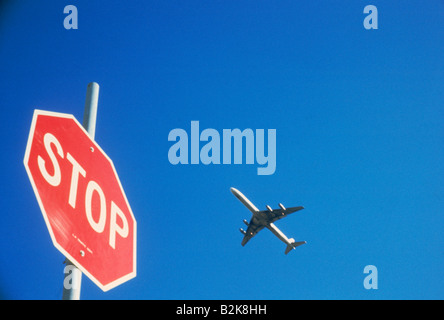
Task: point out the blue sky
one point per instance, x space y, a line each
358 116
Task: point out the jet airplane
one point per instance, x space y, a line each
266 218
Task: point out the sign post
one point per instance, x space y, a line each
71 291
81 198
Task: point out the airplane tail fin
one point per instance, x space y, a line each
293 244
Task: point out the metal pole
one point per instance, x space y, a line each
90 114
72 281
73 275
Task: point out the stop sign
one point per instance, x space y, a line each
81 198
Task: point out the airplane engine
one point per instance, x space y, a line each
242 231
282 206
246 222
269 208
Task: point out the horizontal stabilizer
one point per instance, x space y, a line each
293 245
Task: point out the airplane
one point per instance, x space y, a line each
261 219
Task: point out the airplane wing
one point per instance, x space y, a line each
277 214
252 230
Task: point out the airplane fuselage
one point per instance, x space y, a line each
278 233
262 218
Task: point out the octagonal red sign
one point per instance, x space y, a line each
82 201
